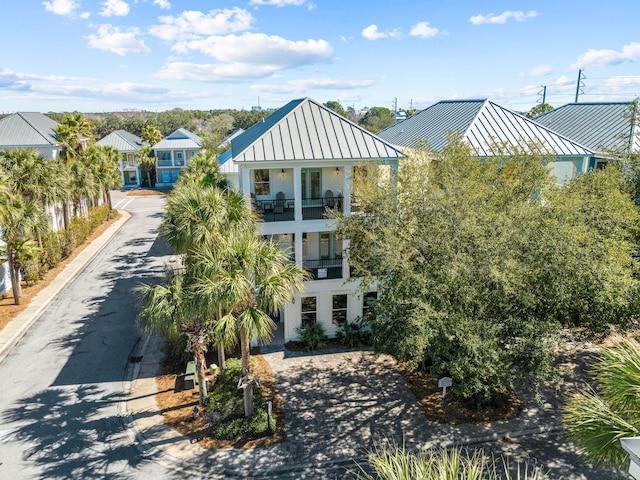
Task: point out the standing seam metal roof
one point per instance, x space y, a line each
484 125
122 141
181 139
27 129
600 126
306 130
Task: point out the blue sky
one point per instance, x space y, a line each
112 55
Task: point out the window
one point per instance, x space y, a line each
130 160
367 302
179 160
261 181
311 183
339 312
308 311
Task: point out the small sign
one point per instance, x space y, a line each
444 383
322 273
269 408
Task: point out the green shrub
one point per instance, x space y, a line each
312 336
68 242
31 271
51 254
353 333
225 410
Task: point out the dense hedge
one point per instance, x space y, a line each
58 246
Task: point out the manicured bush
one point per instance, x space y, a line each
353 333
51 254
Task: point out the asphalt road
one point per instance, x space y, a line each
62 384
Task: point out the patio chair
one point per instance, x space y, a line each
330 202
278 206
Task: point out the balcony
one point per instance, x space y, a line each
324 269
282 209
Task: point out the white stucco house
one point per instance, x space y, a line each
294 167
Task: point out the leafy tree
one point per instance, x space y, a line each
107 124
247 118
336 107
596 420
376 119
538 110
479 263
625 157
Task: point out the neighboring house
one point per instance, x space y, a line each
29 130
172 155
485 127
603 127
128 145
294 166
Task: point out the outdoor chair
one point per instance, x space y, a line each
330 202
278 206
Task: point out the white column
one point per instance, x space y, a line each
297 195
346 188
244 179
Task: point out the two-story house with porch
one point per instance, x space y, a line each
128 145
173 153
295 167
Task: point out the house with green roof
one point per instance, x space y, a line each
296 166
128 145
603 127
172 155
487 128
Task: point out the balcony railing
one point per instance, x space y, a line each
324 269
281 210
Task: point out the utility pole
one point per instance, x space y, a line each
544 94
395 109
579 85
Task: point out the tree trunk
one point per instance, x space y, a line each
222 360
108 198
14 274
245 349
198 346
248 400
149 176
65 214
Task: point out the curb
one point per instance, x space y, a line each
70 273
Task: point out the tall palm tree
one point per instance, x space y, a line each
19 219
151 135
103 164
256 279
32 176
170 308
596 420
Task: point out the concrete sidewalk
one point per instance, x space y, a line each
17 327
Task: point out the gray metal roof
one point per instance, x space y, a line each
27 130
122 141
181 139
306 130
484 126
600 126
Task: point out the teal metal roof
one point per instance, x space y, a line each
483 125
601 126
122 141
306 130
27 130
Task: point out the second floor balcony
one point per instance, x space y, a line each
325 268
282 209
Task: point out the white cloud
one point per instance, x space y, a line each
539 71
620 82
245 57
116 8
424 30
282 3
61 7
220 72
261 49
193 24
372 33
518 16
164 4
120 42
606 57
297 86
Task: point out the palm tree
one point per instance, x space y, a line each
103 164
596 420
147 160
170 309
19 219
32 176
256 278
203 170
